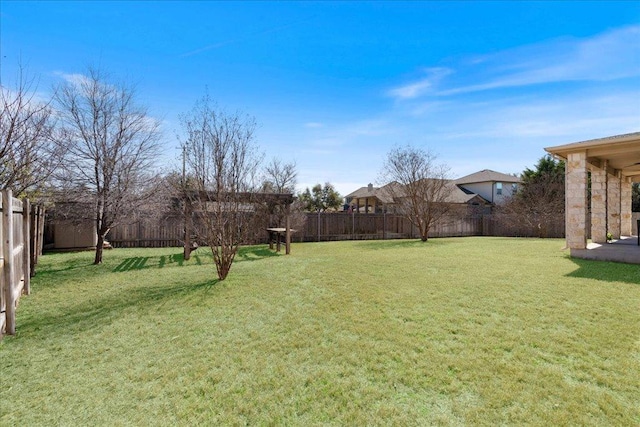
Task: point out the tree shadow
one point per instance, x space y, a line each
134 263
256 253
606 271
245 253
93 313
141 263
401 243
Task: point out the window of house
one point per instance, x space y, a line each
514 188
499 188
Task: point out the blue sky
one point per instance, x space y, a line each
335 85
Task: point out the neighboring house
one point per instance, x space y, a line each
369 199
462 196
372 199
483 188
493 186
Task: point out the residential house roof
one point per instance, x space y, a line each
461 195
363 192
381 193
487 175
457 192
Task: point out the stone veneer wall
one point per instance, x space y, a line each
598 205
625 207
576 200
613 205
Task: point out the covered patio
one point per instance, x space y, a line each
614 164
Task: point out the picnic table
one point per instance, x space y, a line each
275 236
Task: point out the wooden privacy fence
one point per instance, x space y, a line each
514 226
357 226
169 231
21 237
328 226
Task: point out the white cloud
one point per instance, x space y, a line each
75 79
607 56
420 87
369 127
566 116
313 125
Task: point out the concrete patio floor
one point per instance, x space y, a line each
625 249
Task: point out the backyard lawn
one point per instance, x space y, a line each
461 331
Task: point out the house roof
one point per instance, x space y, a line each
455 194
621 152
363 192
385 193
460 195
381 193
486 175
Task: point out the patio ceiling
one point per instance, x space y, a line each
621 152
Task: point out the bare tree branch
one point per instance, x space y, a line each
419 186
29 148
112 145
221 155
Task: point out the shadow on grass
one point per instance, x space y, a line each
606 271
141 263
401 243
93 313
255 253
245 253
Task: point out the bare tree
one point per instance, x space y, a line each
419 186
112 144
221 156
280 177
29 149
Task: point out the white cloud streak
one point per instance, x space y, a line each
421 87
75 79
604 57
313 125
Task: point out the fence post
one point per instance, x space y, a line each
33 239
3 303
384 222
7 250
287 224
26 246
353 224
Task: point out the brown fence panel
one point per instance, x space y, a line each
330 226
358 226
512 226
167 232
15 259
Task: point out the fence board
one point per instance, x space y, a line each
3 303
328 226
15 256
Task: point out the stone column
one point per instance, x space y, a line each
625 207
576 200
599 205
613 205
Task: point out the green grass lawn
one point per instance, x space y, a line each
465 331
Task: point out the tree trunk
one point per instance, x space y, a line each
99 249
424 233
